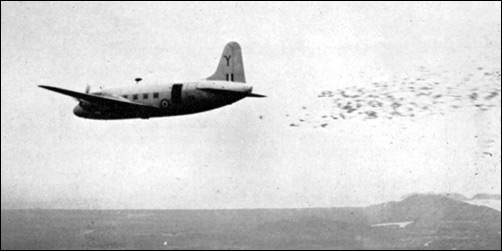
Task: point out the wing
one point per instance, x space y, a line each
107 102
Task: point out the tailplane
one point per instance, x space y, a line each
230 67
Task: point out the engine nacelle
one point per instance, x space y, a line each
88 106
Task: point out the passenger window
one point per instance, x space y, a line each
135 97
145 96
156 95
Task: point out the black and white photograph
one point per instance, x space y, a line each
251 125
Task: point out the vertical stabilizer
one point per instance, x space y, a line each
230 67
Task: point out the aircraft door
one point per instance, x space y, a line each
176 93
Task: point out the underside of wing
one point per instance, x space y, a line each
103 101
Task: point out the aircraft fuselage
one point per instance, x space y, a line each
226 86
171 99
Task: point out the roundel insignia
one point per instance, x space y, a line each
164 103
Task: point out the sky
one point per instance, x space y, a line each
246 155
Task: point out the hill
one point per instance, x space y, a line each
453 196
430 209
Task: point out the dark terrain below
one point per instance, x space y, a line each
438 222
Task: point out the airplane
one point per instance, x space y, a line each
224 87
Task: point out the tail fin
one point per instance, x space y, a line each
230 67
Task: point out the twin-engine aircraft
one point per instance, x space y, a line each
224 87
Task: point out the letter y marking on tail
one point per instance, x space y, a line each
228 59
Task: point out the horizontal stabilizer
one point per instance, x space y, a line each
254 95
231 92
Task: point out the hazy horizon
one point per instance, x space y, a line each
245 155
50 206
